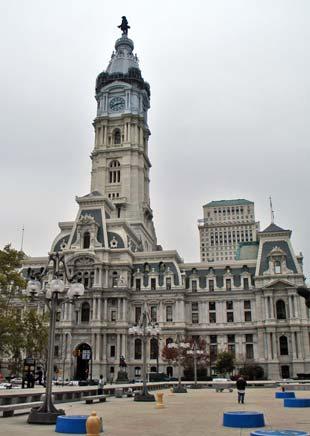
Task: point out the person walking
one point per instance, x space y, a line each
100 385
241 385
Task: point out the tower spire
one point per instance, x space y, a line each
271 210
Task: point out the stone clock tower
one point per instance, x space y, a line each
120 163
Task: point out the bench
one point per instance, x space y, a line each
8 409
89 399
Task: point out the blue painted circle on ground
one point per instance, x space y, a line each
74 424
279 433
285 394
296 402
243 419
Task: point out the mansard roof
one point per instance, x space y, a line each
273 228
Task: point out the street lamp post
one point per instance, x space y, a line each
145 329
194 351
53 296
179 346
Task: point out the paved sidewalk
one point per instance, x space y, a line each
197 413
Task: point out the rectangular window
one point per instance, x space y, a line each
194 285
112 351
247 311
56 350
195 313
245 283
138 284
247 316
212 305
228 284
230 316
195 306
154 313
58 314
212 317
249 338
195 318
229 305
138 311
153 284
211 285
249 351
113 315
168 283
169 313
247 304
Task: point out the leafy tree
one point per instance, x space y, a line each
11 283
225 362
252 372
22 328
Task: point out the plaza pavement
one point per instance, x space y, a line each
197 413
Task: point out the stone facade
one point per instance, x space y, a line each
247 304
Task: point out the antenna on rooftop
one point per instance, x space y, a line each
271 210
22 243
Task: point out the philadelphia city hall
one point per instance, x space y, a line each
241 298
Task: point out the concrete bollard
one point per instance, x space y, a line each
93 425
159 400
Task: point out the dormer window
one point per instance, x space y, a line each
86 240
277 267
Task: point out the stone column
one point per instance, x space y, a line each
105 314
290 306
94 308
124 346
260 346
97 346
124 309
118 341
104 347
275 347
301 351
118 317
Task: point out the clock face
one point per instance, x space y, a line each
117 104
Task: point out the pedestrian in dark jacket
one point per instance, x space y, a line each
241 385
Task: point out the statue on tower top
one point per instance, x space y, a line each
124 26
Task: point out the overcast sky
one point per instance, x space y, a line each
229 111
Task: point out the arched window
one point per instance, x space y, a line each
153 369
280 307
146 268
138 349
283 346
86 240
117 136
114 172
85 312
153 348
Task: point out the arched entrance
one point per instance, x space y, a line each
83 355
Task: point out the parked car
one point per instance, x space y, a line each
5 385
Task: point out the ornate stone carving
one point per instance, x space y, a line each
86 220
84 261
